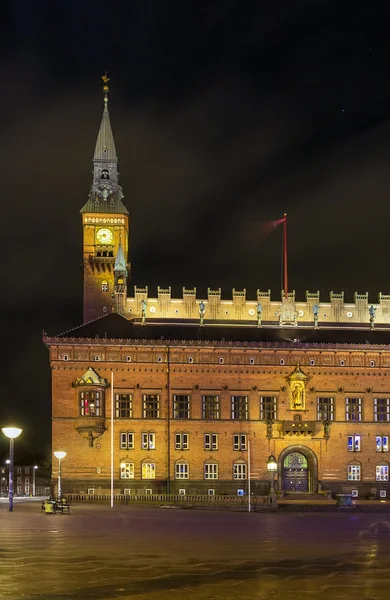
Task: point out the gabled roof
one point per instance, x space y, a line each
90 377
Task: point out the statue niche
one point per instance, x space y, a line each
297 381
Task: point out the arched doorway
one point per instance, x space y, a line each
298 470
295 477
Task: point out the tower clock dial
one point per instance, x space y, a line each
104 236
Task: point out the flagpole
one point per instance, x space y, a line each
285 283
249 477
112 439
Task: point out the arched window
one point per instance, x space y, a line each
221 360
312 362
382 471
239 470
128 358
354 471
148 470
182 470
190 359
211 469
251 361
282 362
126 469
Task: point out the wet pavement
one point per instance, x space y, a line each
149 553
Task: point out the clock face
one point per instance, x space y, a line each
104 236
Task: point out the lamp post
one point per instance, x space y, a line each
34 469
272 467
59 454
11 433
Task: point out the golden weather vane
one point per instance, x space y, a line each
105 81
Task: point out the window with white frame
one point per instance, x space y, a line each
181 441
127 470
127 440
210 407
239 470
210 470
148 440
123 406
382 443
268 408
354 472
148 470
181 406
150 406
354 443
239 441
382 472
382 409
353 409
210 441
324 409
104 286
239 408
182 470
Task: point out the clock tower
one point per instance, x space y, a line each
105 227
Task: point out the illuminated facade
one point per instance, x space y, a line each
196 381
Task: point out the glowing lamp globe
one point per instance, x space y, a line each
11 432
59 454
272 465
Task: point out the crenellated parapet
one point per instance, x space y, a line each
239 307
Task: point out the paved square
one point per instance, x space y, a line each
147 553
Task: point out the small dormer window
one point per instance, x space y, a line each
105 174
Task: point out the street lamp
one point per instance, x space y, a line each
272 467
11 433
59 454
34 469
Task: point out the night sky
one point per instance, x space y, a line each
226 114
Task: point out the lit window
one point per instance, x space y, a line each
91 404
210 441
104 286
354 472
127 440
151 406
127 470
239 441
148 441
211 471
148 471
382 409
354 443
382 472
382 443
182 471
181 441
123 406
239 471
353 409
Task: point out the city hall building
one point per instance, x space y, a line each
174 392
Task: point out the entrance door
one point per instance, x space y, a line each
295 473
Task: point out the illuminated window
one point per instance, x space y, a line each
382 472
182 470
123 406
354 443
382 443
382 409
127 470
268 408
210 441
91 404
325 409
239 470
239 408
127 440
148 441
210 407
148 470
239 441
354 472
210 470
181 441
104 286
353 409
